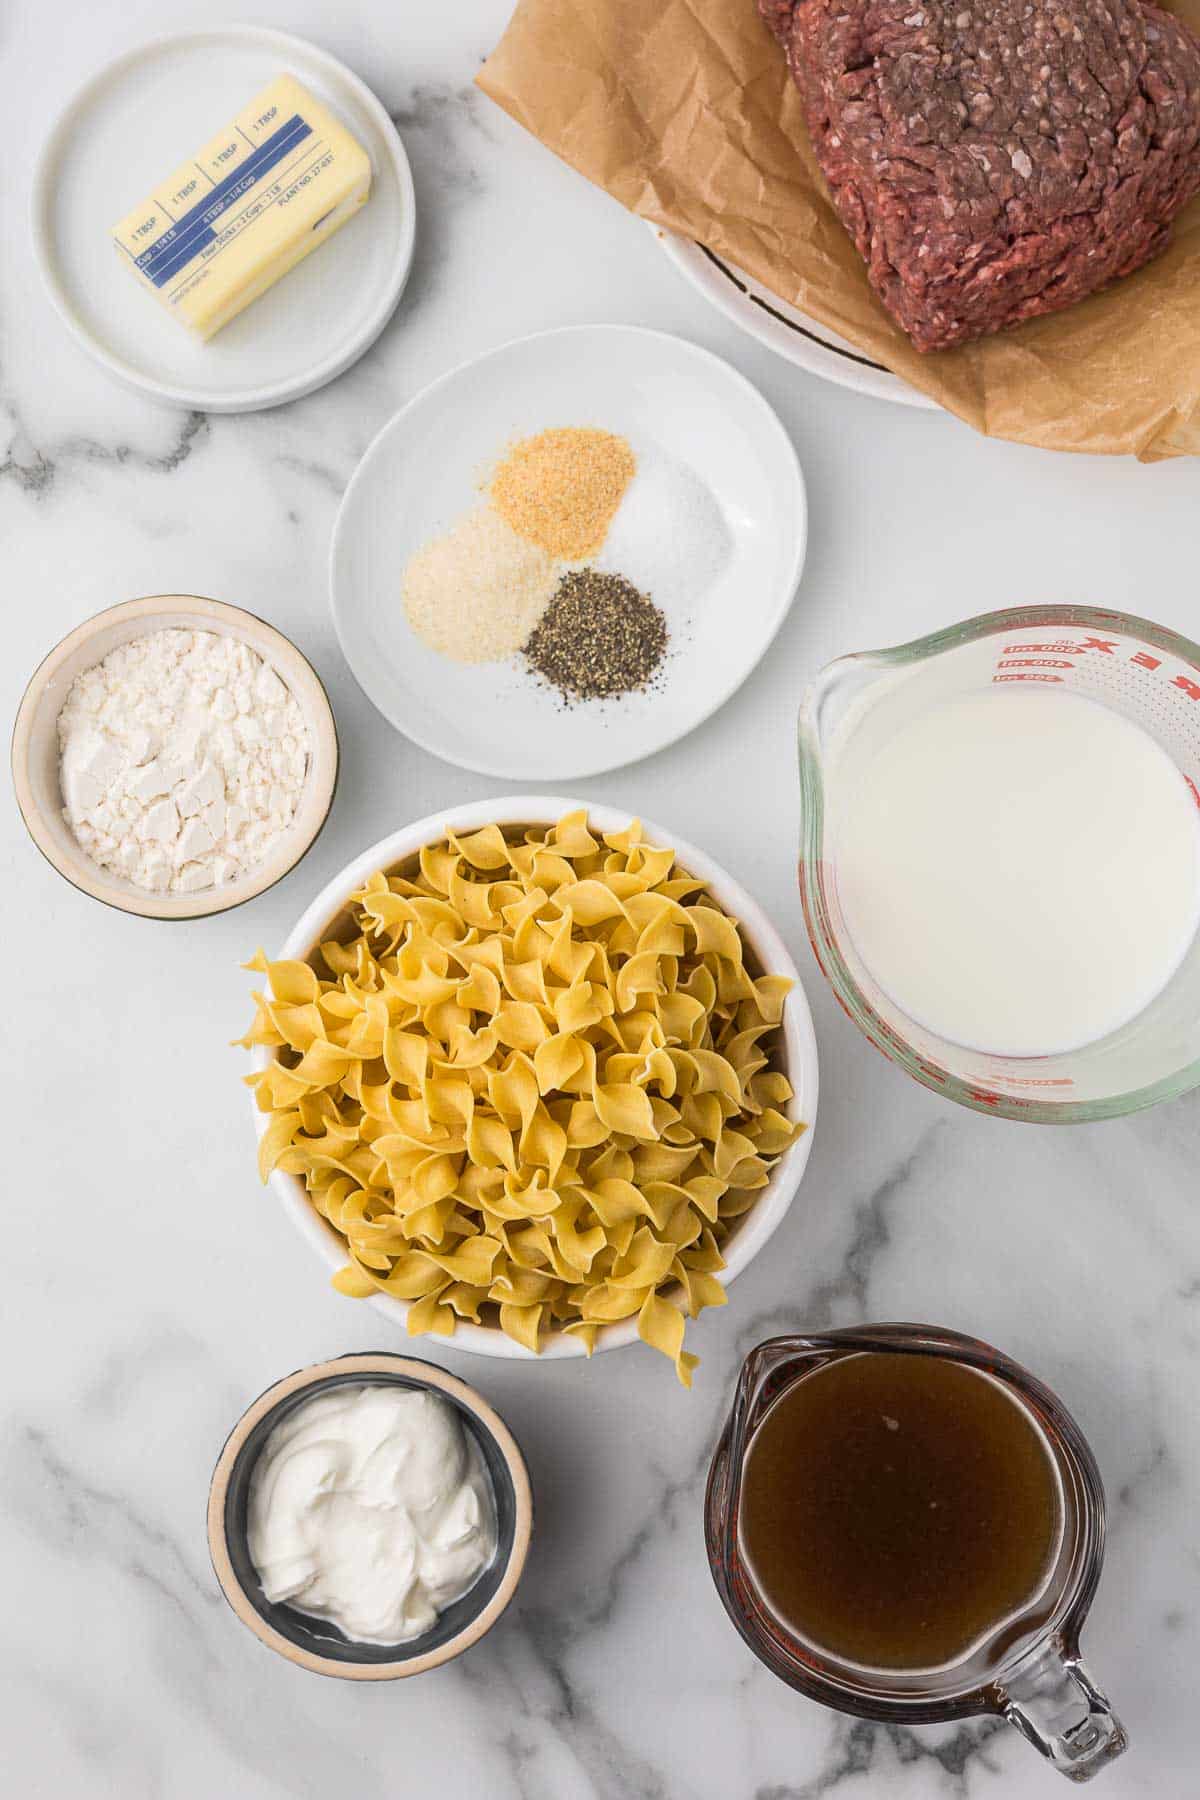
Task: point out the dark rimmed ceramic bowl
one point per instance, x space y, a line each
317 1644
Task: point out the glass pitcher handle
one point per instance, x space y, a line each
1055 1704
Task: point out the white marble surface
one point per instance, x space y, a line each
151 1289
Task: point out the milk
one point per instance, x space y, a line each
1019 871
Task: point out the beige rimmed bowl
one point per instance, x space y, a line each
315 1644
766 951
35 758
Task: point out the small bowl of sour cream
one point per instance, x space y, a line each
369 1517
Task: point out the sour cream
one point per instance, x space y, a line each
371 1507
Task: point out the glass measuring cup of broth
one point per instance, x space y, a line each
905 1525
1079 893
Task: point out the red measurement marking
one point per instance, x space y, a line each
1060 647
1051 655
1035 662
1036 1081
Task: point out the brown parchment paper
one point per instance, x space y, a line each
684 111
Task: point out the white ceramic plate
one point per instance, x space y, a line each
767 948
672 401
124 132
783 328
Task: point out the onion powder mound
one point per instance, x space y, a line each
476 594
599 637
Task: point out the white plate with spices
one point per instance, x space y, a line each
711 528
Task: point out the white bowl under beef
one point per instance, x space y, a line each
994 161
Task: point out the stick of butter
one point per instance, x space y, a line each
249 206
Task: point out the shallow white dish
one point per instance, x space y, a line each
783 328
670 399
767 949
123 133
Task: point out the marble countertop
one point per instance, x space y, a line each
152 1288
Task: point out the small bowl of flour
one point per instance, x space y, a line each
174 757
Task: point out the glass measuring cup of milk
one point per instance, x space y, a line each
1027 1668
1149 678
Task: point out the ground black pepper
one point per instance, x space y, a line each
598 637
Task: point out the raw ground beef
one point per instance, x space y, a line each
996 159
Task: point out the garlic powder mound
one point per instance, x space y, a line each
562 488
476 594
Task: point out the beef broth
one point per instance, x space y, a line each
896 1509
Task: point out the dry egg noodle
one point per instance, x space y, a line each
530 1083
562 488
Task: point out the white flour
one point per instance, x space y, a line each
182 759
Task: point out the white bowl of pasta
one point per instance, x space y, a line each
534 1075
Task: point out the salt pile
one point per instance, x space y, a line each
669 537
